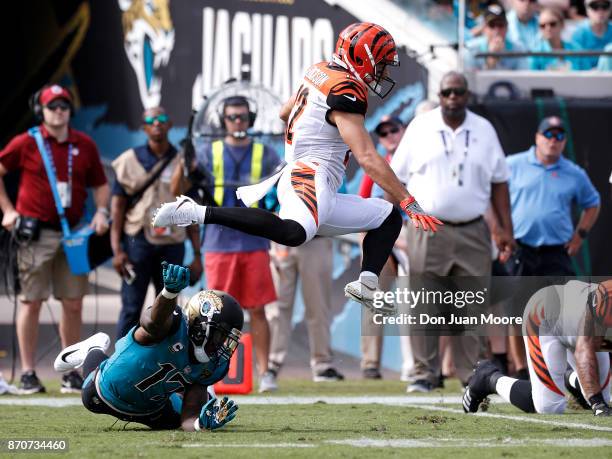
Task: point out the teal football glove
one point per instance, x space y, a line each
175 277
216 413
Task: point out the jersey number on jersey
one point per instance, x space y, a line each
300 104
162 375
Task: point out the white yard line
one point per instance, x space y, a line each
474 443
249 445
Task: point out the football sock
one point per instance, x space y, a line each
94 358
378 243
501 362
258 222
515 391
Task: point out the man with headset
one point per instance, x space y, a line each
236 262
41 259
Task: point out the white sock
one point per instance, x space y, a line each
369 279
503 387
573 380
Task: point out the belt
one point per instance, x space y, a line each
469 222
543 248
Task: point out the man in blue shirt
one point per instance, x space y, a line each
523 23
494 39
595 32
236 262
543 186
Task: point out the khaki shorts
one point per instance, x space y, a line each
42 265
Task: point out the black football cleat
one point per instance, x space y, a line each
478 387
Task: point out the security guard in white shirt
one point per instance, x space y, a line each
453 163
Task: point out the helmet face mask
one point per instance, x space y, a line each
214 323
365 50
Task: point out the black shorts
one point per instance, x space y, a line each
166 418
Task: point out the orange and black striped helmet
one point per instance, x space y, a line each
365 49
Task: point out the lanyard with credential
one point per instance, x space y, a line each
459 173
50 156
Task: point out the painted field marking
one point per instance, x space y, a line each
479 443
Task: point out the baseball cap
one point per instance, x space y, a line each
552 122
53 92
388 120
494 11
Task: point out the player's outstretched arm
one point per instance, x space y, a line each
156 320
357 138
285 110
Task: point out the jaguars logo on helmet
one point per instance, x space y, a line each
215 321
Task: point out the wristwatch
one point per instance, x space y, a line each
582 233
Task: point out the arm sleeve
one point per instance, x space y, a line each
500 171
348 96
587 196
95 175
10 156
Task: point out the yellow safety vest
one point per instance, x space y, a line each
218 170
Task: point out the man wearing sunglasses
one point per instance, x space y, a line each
142 182
595 32
42 263
494 39
543 186
452 160
236 262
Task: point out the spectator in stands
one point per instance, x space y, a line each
543 186
42 263
551 23
142 183
235 262
389 132
595 32
523 23
456 153
312 263
605 62
494 39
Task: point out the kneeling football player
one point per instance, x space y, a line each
564 330
171 352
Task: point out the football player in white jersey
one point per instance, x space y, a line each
563 325
325 123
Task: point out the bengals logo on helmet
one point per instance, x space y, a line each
365 50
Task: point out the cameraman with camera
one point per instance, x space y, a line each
36 224
235 262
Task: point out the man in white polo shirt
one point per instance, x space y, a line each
453 163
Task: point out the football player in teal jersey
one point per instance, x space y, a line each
160 371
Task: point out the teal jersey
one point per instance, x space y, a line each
139 379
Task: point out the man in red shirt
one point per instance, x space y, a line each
41 260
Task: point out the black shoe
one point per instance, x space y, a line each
479 386
575 391
331 374
30 384
441 379
420 385
71 383
372 373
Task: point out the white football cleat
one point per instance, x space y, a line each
363 292
182 212
73 356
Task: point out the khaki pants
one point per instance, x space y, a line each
43 268
313 262
452 251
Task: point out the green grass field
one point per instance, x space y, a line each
323 429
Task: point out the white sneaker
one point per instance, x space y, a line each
73 356
182 212
363 293
267 382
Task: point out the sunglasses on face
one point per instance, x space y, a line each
560 136
240 117
161 118
456 91
393 130
600 6
496 25
61 104
551 24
